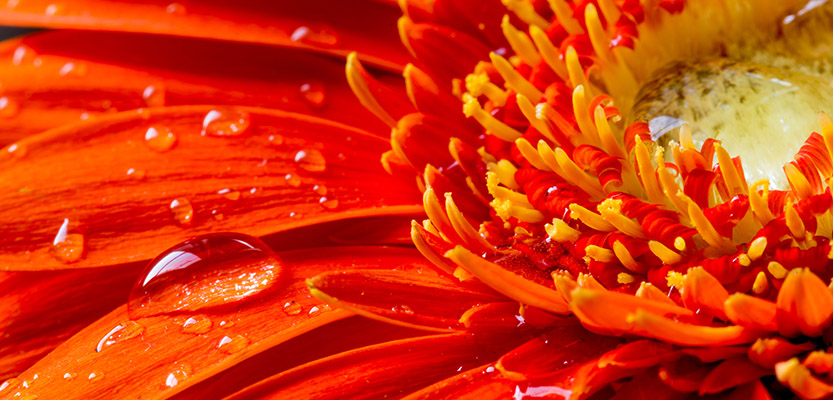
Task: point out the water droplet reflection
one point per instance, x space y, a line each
311 160
154 95
160 139
182 211
228 122
67 247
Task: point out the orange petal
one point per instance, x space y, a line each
160 345
414 296
703 291
805 304
512 285
733 372
82 74
384 370
318 25
609 310
443 52
751 311
89 176
685 334
684 375
800 380
767 352
482 382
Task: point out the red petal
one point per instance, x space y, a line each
161 347
79 173
413 296
371 32
733 372
386 370
483 382
52 78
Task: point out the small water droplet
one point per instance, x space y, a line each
293 180
95 376
17 150
137 174
232 195
313 93
296 215
207 271
197 326
253 190
217 215
321 36
403 309
292 308
330 204
52 9
311 160
70 376
182 211
160 139
171 380
226 324
25 384
175 9
228 122
320 189
67 247
233 345
8 384
277 140
154 95
23 54
179 374
73 69
8 107
121 332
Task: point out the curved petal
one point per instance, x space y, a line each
52 78
411 296
84 180
318 25
160 346
388 369
482 382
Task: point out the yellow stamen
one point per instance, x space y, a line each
744 260
520 43
600 254
427 251
685 137
611 211
675 279
548 156
585 123
827 133
574 68
794 222
462 226
479 85
625 258
625 278
671 190
496 127
598 37
437 215
526 12
589 218
505 173
564 13
668 256
758 204
531 154
560 231
574 175
706 230
514 80
734 182
362 92
502 193
777 270
647 175
609 142
610 10
761 283
414 75
679 243
462 274
530 112
548 51
798 181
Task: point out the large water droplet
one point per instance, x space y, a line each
160 139
313 94
95 376
154 95
227 122
197 326
292 308
234 344
320 36
182 211
311 160
122 332
207 271
179 374
67 247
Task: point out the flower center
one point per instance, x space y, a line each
759 112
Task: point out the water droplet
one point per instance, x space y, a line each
217 216
7 385
23 54
403 309
67 247
73 69
320 189
171 380
17 150
95 376
233 345
182 211
323 37
226 324
175 9
293 180
122 332
137 174
179 374
154 95
160 139
313 93
207 271
228 122
292 308
197 326
52 9
311 160
296 215
8 107
277 140
232 195
70 376
330 204
25 384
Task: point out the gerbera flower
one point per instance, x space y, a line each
623 199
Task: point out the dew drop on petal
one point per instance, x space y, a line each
95 376
8 107
320 189
311 160
177 375
137 174
321 36
121 332
233 345
296 215
276 139
175 9
7 385
292 308
197 326
182 211
293 180
73 69
403 309
23 54
160 139
232 195
171 380
17 150
330 204
154 95
67 247
313 94
207 271
70 376
226 122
